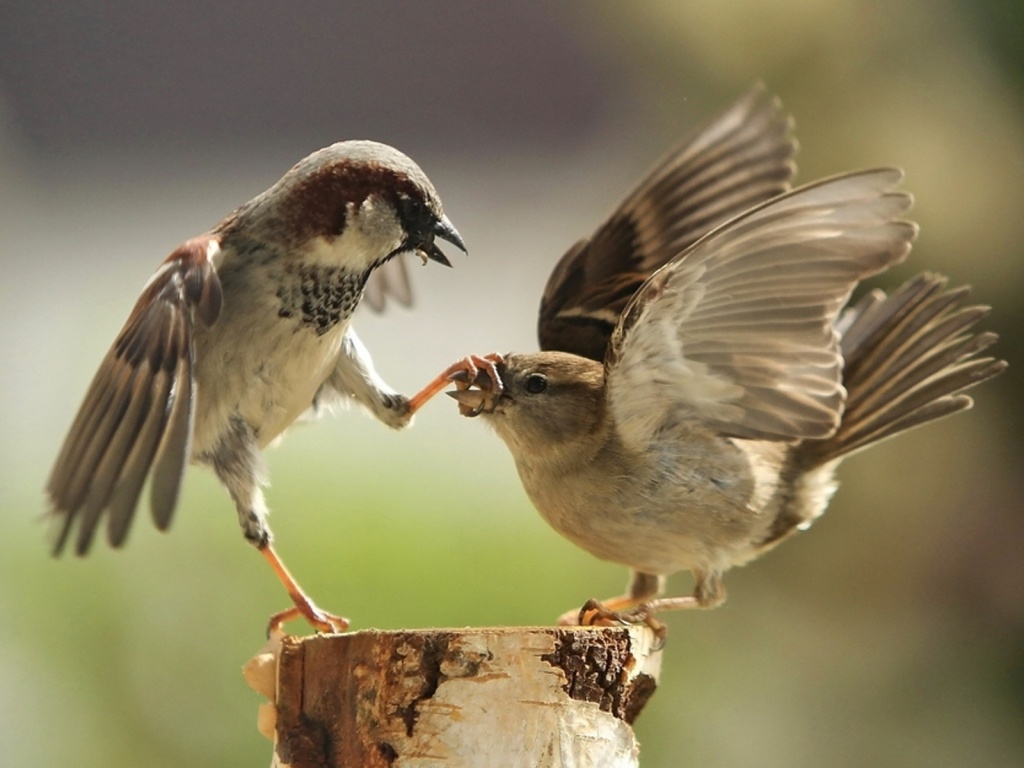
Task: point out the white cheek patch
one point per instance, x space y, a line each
377 223
371 234
351 250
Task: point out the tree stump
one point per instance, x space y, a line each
539 696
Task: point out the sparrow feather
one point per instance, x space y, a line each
737 160
737 332
136 401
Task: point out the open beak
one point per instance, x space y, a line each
474 397
443 229
472 402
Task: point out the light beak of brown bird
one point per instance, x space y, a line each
477 396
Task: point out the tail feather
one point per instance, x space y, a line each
907 374
908 359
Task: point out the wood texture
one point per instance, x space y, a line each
505 697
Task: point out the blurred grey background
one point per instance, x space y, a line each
890 634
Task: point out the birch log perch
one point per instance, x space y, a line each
538 696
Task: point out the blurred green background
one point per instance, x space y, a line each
892 634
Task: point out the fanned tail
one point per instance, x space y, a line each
908 359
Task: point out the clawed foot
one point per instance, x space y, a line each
319 619
479 372
594 613
464 373
303 607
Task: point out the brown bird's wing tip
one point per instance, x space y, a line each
740 158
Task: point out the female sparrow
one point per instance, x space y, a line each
700 384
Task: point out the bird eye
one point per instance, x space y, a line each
536 383
413 210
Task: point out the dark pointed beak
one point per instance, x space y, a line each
443 229
446 231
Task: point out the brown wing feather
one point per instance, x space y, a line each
737 160
138 410
738 332
173 452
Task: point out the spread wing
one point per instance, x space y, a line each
738 332
136 419
737 160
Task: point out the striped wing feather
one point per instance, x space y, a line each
136 419
739 159
738 332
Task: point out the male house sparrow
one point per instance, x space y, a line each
698 388
240 332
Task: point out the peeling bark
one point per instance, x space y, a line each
473 697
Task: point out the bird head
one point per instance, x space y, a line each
546 399
354 204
